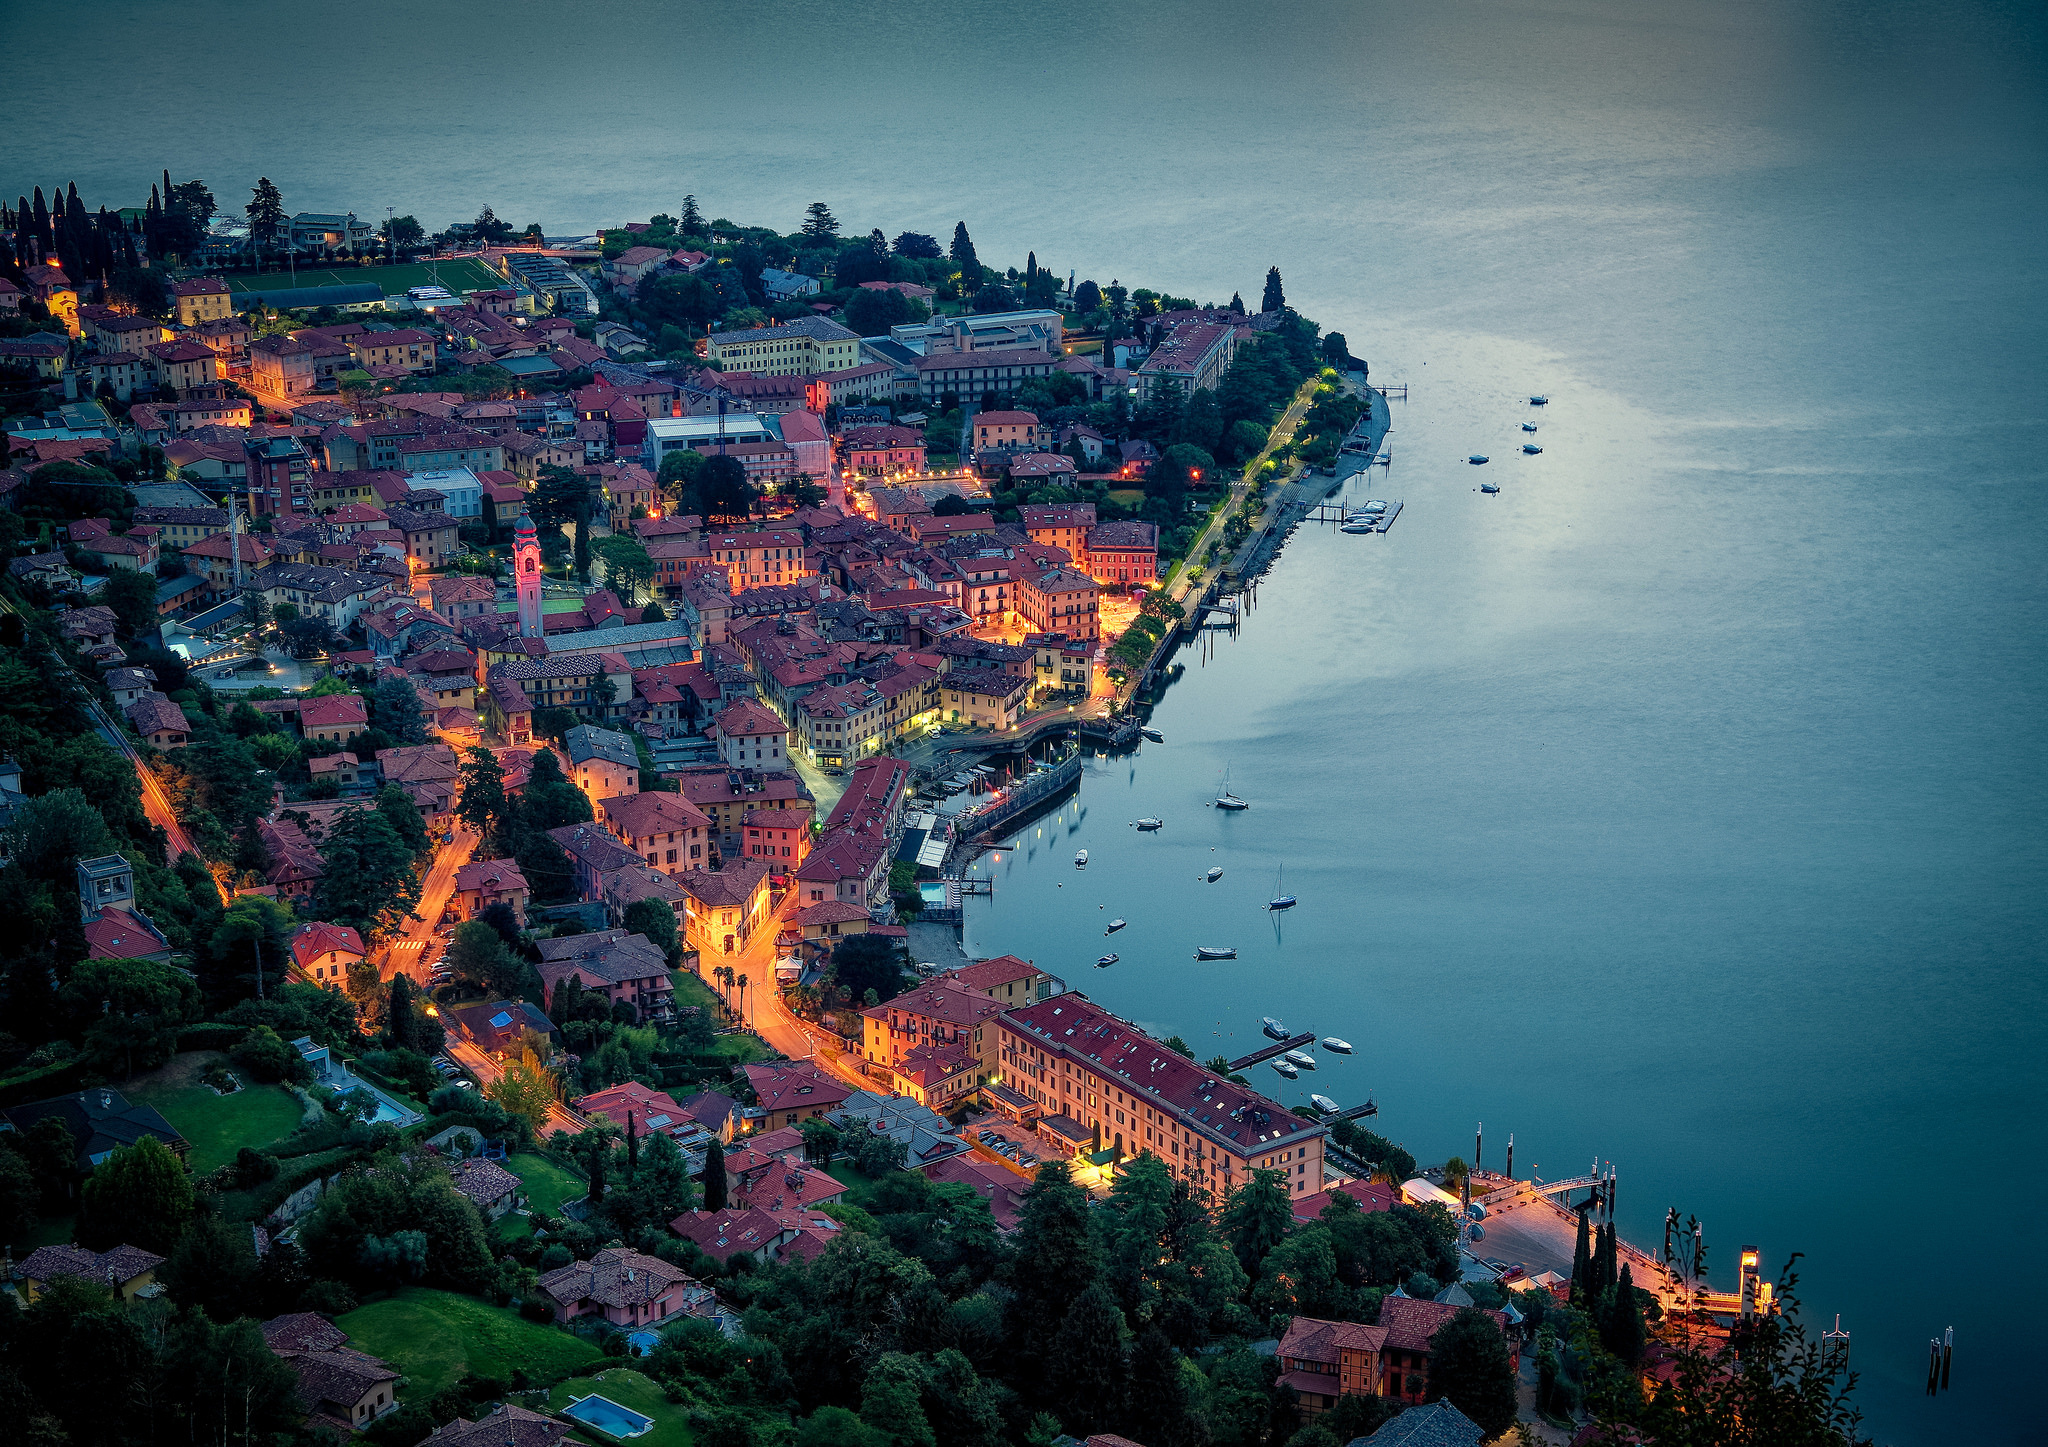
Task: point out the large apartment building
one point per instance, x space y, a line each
800 348
1087 1074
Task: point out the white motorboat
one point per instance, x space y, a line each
1531 448
1373 505
1106 961
1148 826
1478 459
1302 1058
1287 1070
1357 527
1115 925
1489 487
1324 1104
1080 858
1539 401
1154 735
1273 1028
1335 1046
1215 873
1215 952
1528 426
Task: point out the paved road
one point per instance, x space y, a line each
1178 584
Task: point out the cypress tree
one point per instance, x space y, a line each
1275 298
1582 1256
1625 1321
1094 1376
40 225
714 1176
632 1146
398 1022
1609 1262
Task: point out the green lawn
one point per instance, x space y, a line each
457 276
547 1184
433 1337
220 1125
632 1390
732 1049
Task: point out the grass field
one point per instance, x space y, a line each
457 276
736 1049
632 1390
1126 496
547 1184
434 1337
220 1125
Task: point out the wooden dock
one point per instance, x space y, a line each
1331 512
1281 1047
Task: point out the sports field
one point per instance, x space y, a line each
458 276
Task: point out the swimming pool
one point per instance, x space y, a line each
608 1417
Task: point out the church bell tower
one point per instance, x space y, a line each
526 572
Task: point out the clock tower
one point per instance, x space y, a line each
526 573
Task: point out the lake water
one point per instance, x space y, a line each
1681 805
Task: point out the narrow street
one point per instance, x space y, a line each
410 950
1177 585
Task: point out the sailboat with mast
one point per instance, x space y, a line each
1227 800
1281 899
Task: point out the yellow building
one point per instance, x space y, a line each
202 299
796 349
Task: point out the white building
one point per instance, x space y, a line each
461 486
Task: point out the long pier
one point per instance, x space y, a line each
1292 1042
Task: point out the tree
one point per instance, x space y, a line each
916 245
891 1402
526 1087
872 312
1275 298
212 1267
1336 351
691 222
1157 1404
481 804
131 593
714 1176
656 920
369 883
723 492
819 222
1469 1366
1623 1329
1179 468
395 710
488 229
402 233
398 1013
964 258
139 1195
627 566
869 962
1054 1252
477 953
20 1195
1087 297
1256 1218
265 211
1088 1391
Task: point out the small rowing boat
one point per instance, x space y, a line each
1214 952
1106 961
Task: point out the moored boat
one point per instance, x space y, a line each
1287 1070
1281 900
1273 1028
1489 487
1215 873
1324 1104
1080 858
1106 961
1302 1058
1539 401
1154 735
1528 426
1148 826
1115 925
1336 1046
1478 459
1215 952
1531 448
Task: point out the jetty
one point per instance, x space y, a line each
1293 1042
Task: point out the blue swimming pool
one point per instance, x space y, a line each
608 1417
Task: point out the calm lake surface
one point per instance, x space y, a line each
1681 805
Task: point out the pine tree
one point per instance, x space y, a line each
714 1176
1237 303
692 220
1275 298
1582 1257
819 221
1156 1405
265 211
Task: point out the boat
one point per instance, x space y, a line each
1324 1104
1273 1028
1154 735
1335 1046
1478 458
1287 1070
1215 873
1106 961
1531 448
1115 925
1489 487
1214 952
1080 858
1528 426
1374 505
1148 826
1355 528
1302 1058
1227 800
1279 900
1539 401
